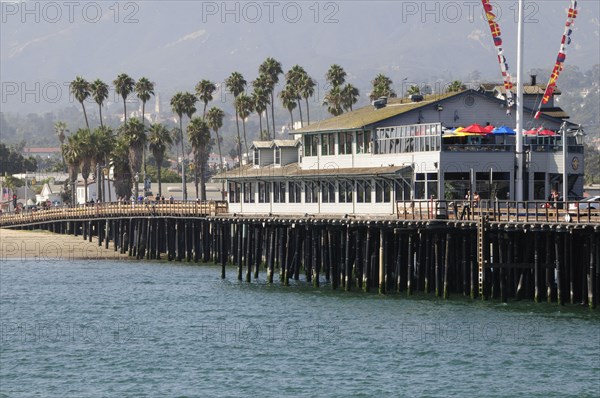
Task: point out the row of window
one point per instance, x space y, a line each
344 143
402 139
343 191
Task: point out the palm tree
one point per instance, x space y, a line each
214 118
336 76
288 98
244 107
307 89
102 142
199 136
382 87
144 89
61 128
183 103
261 88
259 103
271 69
236 85
176 137
159 141
134 137
83 140
80 88
294 79
120 165
334 102
456 86
124 85
205 90
99 91
350 96
70 152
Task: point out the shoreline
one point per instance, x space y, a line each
18 245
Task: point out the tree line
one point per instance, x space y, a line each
125 149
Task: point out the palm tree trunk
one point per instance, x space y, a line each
292 117
183 181
245 140
125 112
196 162
159 175
100 110
202 178
260 125
85 115
85 190
204 110
272 115
267 120
307 112
220 164
237 124
144 147
300 110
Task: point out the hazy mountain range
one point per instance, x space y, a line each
175 44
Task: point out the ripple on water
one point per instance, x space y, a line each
166 329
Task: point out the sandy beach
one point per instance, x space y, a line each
47 246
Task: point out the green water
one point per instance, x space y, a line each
129 329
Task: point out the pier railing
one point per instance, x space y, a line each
107 210
495 210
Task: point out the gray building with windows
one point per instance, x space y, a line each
364 161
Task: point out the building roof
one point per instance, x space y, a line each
293 170
528 89
261 144
368 115
555 112
285 143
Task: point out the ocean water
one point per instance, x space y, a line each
158 329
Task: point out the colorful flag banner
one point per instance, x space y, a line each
497 37
561 57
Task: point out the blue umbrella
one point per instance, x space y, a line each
503 130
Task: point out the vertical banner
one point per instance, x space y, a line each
497 36
562 55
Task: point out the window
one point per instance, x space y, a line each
345 191
248 192
328 192
277 155
234 192
363 142
327 144
432 185
311 143
279 192
383 191
264 192
256 157
363 191
426 185
295 192
345 143
402 189
311 192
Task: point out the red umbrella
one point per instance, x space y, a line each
546 132
532 132
488 128
475 128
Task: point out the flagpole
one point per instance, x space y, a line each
519 117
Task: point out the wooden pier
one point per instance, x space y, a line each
502 252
